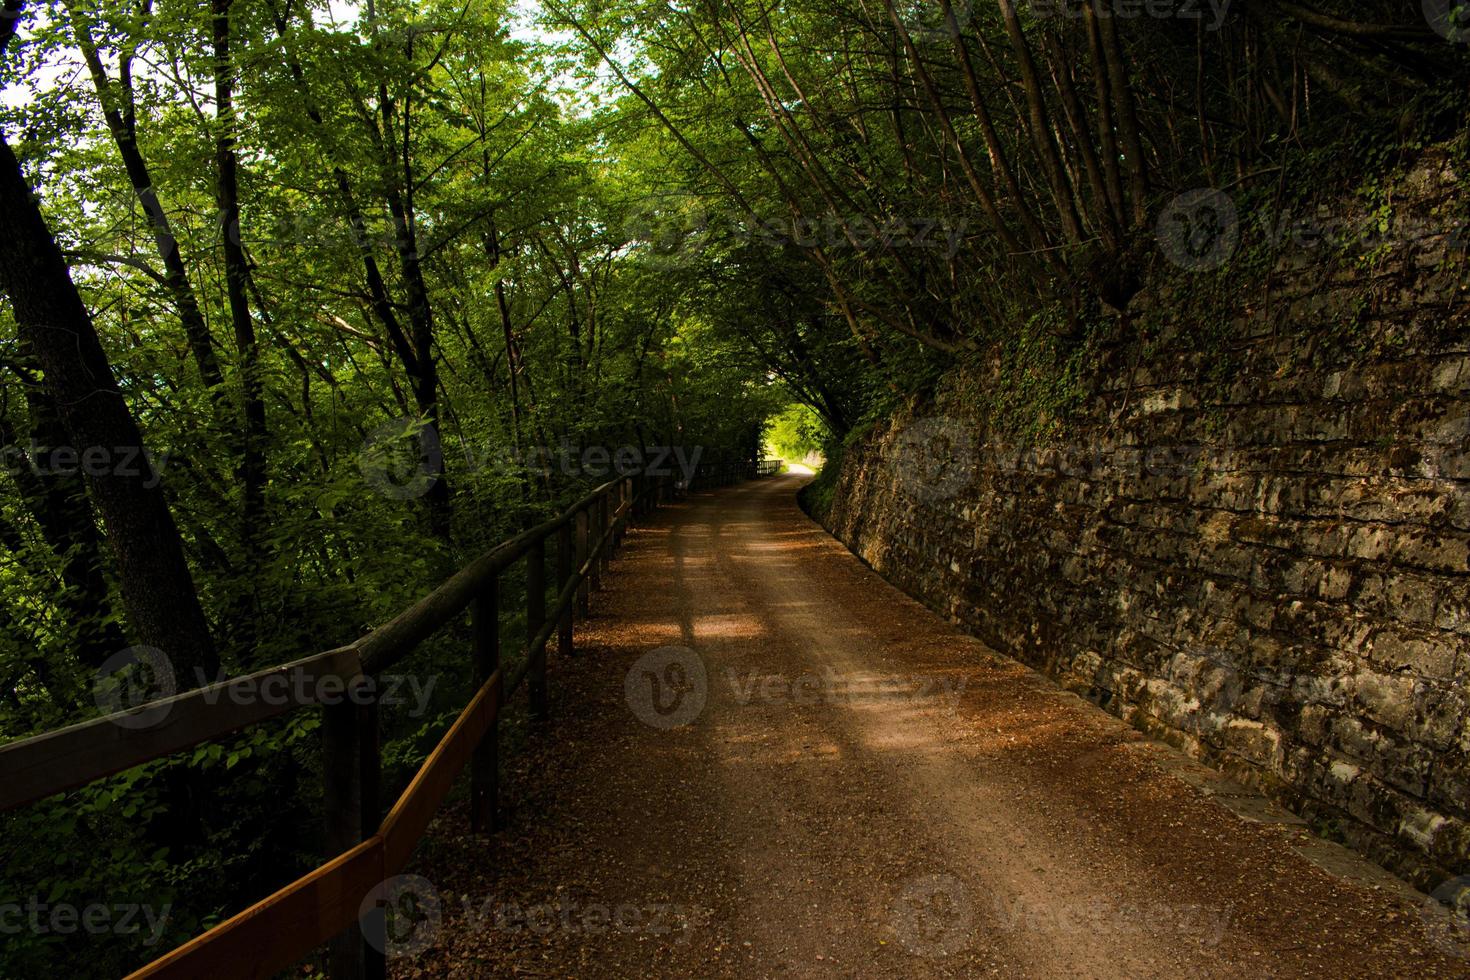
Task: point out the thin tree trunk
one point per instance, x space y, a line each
57 499
252 470
122 124
1106 128
425 379
1127 120
1040 125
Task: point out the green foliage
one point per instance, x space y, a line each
817 496
142 862
1043 377
797 434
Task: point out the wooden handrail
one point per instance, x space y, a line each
325 904
54 762
281 928
319 906
406 823
396 639
328 899
564 600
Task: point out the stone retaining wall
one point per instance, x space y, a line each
1272 571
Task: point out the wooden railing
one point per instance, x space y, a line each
725 472
323 905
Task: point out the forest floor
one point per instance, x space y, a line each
863 791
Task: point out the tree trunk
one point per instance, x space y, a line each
122 124
56 497
252 470
157 587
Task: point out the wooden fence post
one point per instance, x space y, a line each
584 604
594 525
535 619
619 495
601 532
485 765
350 807
565 570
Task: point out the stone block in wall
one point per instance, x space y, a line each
1419 654
1449 782
1443 723
1451 376
1257 743
1435 550
1452 613
1448 843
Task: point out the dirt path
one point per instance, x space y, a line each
859 791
